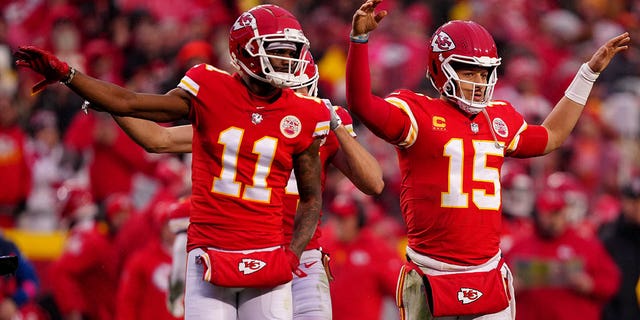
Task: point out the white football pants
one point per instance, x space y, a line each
311 297
206 301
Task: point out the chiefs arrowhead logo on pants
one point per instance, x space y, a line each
468 295
248 266
239 269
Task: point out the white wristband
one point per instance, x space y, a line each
72 73
580 88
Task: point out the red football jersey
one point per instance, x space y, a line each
84 278
544 269
451 166
112 165
15 167
143 287
328 150
365 271
243 148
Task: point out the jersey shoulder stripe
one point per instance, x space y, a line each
191 82
412 135
349 128
322 129
189 85
347 120
516 139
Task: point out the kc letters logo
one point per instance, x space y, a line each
249 266
442 42
468 295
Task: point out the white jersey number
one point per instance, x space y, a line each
454 197
226 184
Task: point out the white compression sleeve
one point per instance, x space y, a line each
580 88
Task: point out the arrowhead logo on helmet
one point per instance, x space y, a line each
245 20
442 42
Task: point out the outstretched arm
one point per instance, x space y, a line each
564 116
381 117
155 138
101 94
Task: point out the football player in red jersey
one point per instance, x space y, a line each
450 152
248 135
311 295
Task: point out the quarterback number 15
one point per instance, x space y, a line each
455 197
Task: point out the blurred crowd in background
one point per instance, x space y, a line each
62 170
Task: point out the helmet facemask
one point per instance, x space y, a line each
309 77
452 89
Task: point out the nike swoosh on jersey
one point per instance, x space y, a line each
309 264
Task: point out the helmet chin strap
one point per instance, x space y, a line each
281 79
465 106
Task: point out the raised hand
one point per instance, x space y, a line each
366 19
44 63
600 60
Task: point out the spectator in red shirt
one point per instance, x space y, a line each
571 275
83 279
115 158
364 267
135 232
15 171
144 285
119 211
518 202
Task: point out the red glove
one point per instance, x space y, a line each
44 63
294 263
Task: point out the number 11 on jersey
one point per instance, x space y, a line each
226 184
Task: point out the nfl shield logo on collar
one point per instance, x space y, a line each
256 118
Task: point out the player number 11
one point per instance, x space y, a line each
226 183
